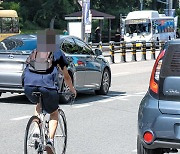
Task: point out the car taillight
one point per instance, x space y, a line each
156 72
80 63
148 137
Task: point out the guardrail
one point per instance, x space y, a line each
129 47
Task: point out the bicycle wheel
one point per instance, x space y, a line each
60 138
32 138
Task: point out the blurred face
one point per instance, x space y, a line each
46 41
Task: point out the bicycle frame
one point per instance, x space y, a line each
44 126
41 120
44 130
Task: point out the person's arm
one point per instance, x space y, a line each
68 80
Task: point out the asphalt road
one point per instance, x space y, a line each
96 124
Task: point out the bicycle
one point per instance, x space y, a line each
37 130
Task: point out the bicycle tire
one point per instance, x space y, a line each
32 146
60 138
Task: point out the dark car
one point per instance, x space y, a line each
88 69
159 110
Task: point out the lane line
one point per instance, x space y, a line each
116 97
134 151
83 105
20 118
121 74
140 93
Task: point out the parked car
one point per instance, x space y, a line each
88 69
159 110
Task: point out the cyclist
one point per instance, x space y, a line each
44 83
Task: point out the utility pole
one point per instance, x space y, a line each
82 21
169 6
170 3
141 5
86 20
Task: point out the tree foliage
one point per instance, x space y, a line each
40 12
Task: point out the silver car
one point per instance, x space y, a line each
88 69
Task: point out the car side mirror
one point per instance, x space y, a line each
98 52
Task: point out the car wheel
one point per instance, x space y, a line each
64 98
142 150
105 83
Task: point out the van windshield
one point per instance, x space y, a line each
137 26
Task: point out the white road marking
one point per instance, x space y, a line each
140 93
82 105
20 118
134 151
109 99
120 97
121 74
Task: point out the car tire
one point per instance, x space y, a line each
105 83
142 150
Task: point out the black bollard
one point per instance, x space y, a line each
123 51
100 45
111 47
161 45
143 50
90 44
133 51
153 49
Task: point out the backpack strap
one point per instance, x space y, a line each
31 56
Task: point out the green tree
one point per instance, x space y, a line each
11 6
51 9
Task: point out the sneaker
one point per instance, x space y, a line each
49 148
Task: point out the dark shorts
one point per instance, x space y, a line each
50 97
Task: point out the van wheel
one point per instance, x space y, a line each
142 150
105 83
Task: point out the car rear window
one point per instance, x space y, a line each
17 44
171 62
169 86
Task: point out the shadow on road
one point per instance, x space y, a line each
85 97
18 99
90 96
